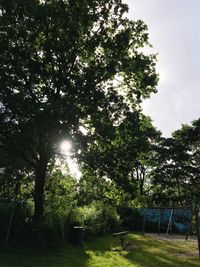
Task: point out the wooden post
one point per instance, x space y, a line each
9 225
144 221
12 212
170 222
189 225
159 221
198 233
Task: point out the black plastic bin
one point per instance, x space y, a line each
77 235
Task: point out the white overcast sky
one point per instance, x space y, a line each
174 32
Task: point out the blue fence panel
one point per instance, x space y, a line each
180 218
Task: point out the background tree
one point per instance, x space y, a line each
93 188
177 175
116 154
59 61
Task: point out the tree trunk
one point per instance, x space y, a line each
40 177
142 178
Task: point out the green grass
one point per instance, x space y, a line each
146 251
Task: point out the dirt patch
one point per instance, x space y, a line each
192 240
172 237
193 254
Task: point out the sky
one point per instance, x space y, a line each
174 32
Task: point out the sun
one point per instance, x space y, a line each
66 147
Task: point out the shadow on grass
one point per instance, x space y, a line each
151 252
69 256
146 251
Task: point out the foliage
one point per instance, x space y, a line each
177 176
60 192
116 158
20 213
64 59
96 218
60 195
94 188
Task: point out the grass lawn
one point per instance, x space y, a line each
145 251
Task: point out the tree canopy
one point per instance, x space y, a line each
176 177
66 65
124 153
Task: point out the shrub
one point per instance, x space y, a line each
20 213
96 218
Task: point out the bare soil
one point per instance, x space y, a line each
172 237
192 240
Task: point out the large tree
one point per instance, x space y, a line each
66 64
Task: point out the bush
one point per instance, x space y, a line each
96 218
5 212
21 214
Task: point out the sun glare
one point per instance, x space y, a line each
66 147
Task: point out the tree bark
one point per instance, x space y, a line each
40 177
44 152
